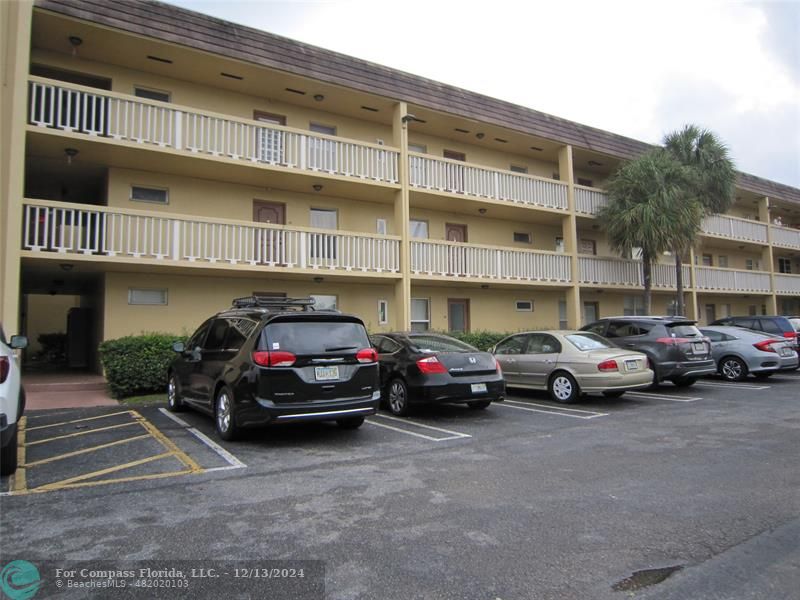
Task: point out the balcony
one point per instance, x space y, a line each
455 177
785 237
627 273
107 115
787 284
109 234
452 259
731 280
735 228
589 201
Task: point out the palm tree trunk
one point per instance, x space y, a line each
647 277
679 282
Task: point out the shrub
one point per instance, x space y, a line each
482 340
137 364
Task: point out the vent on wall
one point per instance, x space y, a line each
294 91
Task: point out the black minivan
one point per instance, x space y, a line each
275 360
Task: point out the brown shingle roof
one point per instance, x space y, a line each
195 30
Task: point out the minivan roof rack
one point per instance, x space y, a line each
273 302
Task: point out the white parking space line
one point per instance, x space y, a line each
451 435
552 410
737 385
668 398
233 462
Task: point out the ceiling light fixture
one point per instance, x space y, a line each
537 149
319 97
71 153
482 211
480 135
75 41
594 163
317 187
318 279
408 117
66 267
484 286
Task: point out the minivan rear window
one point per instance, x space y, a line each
311 337
685 331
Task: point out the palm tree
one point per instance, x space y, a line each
711 180
645 210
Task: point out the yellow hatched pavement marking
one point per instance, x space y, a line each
18 481
44 461
169 445
88 431
58 484
124 412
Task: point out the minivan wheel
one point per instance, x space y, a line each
224 415
8 456
563 388
398 397
350 422
732 368
174 402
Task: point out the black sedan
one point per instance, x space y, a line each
428 367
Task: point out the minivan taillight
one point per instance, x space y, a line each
5 367
608 365
276 358
367 355
765 345
430 365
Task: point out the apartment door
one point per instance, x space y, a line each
458 314
270 142
591 312
711 313
457 255
270 246
454 174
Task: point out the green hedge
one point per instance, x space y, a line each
482 340
137 364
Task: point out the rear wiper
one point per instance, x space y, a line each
336 348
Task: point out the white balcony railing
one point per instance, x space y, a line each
452 259
105 114
731 280
453 176
737 229
588 200
787 284
786 237
79 229
616 271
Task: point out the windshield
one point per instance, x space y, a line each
588 341
309 337
439 343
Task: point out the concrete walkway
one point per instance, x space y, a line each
65 390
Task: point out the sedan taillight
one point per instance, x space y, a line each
765 345
367 355
274 359
608 365
430 365
5 367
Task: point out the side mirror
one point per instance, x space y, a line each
178 347
18 342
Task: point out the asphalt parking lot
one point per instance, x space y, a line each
528 499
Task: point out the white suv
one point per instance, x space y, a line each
12 400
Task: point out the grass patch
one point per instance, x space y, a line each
146 400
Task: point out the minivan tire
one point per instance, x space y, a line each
350 422
224 415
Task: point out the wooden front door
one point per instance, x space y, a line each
455 233
457 255
458 314
454 174
269 243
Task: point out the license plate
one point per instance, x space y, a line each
478 388
632 365
326 373
699 347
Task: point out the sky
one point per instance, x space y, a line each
640 69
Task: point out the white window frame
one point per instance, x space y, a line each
636 308
381 226
316 209
149 187
784 265
722 261
418 148
335 301
528 302
383 312
518 169
426 321
420 221
137 88
562 314
133 301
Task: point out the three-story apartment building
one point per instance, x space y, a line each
157 162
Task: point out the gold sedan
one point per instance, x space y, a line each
570 363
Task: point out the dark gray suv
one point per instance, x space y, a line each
677 351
